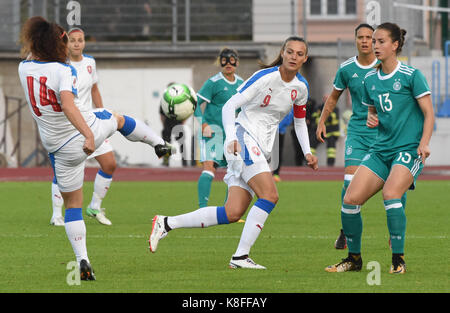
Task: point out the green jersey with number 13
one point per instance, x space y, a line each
395 98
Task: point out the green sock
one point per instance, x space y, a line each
396 221
347 181
403 201
352 226
204 188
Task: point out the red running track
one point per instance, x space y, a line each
192 174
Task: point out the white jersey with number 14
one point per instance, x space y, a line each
43 83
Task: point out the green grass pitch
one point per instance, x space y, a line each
295 245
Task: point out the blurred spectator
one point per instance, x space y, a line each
288 119
333 132
168 125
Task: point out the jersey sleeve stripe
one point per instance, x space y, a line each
257 76
423 94
200 96
337 88
88 56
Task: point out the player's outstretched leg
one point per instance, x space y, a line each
200 218
159 226
137 131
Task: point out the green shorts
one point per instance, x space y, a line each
211 149
382 163
356 147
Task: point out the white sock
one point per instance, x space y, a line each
254 223
101 186
136 130
57 201
203 217
76 233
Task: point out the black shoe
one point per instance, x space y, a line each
398 264
341 242
346 265
164 150
86 271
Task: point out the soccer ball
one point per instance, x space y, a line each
178 101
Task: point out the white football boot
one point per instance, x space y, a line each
99 215
245 262
158 232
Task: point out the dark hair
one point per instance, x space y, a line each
396 33
363 25
279 60
46 41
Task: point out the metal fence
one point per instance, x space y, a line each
136 20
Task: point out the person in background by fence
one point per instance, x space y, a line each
287 120
333 131
166 133
88 96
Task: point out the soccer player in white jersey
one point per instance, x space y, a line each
265 99
89 96
69 132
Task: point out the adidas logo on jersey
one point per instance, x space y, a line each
355 75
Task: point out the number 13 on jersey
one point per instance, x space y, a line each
385 102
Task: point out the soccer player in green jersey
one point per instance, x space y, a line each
215 92
359 137
400 104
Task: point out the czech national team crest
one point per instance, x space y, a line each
256 150
89 69
293 94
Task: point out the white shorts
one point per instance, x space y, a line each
69 161
105 147
253 162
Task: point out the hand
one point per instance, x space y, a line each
372 120
424 152
89 145
206 130
233 147
321 132
311 161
